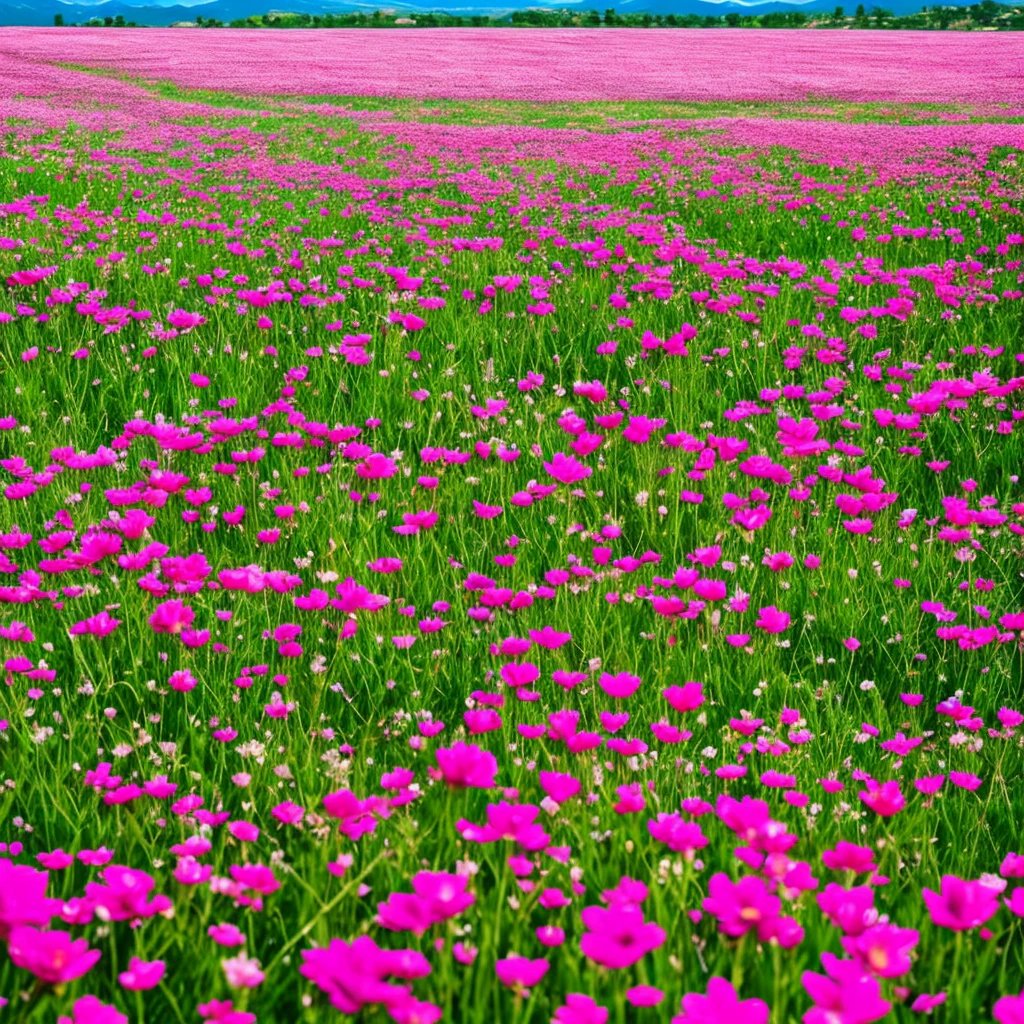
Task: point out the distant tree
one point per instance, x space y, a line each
609 16
108 21
671 20
838 14
119 21
58 20
732 19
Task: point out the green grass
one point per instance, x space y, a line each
370 693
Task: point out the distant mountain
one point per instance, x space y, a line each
167 12
156 14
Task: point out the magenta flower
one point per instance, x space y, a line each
961 905
465 766
885 799
617 936
23 899
741 906
142 975
519 972
849 857
355 817
580 1009
852 910
620 685
222 1011
844 995
566 469
684 698
721 1005
53 957
1009 1010
123 894
678 835
171 617
436 897
771 620
352 975
644 995
89 1010
883 949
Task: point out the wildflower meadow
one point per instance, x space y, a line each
511 537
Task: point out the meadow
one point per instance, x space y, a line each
541 552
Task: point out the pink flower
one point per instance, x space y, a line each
965 780
123 895
852 910
721 1005
621 685
925 1003
884 799
849 857
772 620
678 835
89 1010
465 766
244 831
436 897
644 995
356 817
687 697
1009 1010
184 320
23 899
961 905
617 936
242 972
226 935
520 973
353 974
53 957
487 511
57 860
883 949
222 1011
580 1009
288 813
566 469
741 906
844 995
142 975
171 617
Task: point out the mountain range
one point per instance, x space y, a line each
155 13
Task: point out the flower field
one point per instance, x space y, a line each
481 557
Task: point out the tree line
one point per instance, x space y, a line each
984 15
